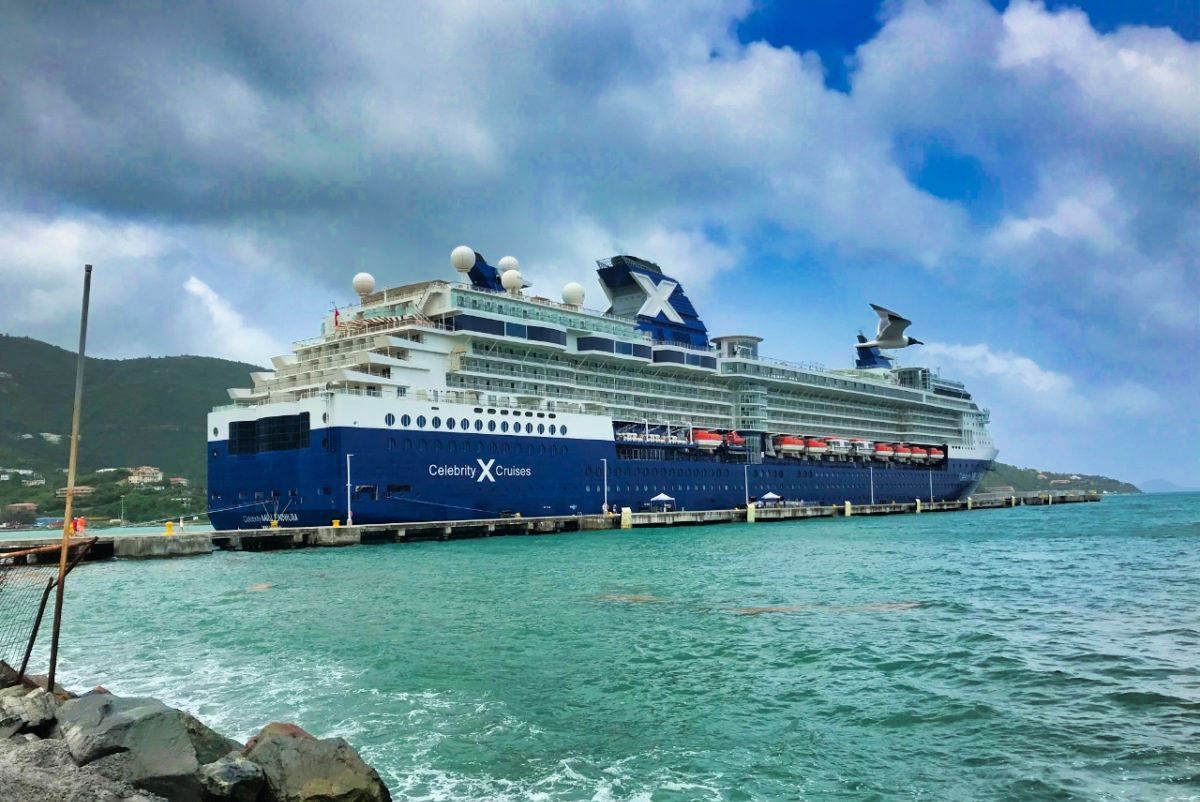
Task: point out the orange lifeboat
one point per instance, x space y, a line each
789 444
884 450
902 452
734 439
817 447
705 439
936 454
918 454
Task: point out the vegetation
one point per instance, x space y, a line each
111 493
148 411
1027 479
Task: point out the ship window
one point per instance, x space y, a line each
504 426
324 417
504 412
450 423
389 419
491 411
541 414
464 423
216 431
478 410
529 428
529 414
553 429
405 420
436 422
421 421
563 428
491 426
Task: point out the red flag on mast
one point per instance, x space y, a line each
336 317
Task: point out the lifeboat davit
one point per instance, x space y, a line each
936 454
734 439
861 447
918 454
817 447
705 439
790 445
884 450
902 452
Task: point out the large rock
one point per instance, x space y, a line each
34 709
232 777
155 747
44 771
301 768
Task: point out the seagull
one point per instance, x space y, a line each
891 331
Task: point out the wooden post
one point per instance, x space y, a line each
71 462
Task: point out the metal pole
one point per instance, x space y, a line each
931 485
67 509
122 510
871 469
349 512
602 459
746 477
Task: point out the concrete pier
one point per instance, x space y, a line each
201 543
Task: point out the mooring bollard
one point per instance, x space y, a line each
169 528
750 508
918 505
626 518
970 503
849 509
336 523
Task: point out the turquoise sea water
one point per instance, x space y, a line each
1036 653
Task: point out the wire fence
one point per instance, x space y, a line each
27 578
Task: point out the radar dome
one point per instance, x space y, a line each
462 258
511 280
508 263
364 284
572 293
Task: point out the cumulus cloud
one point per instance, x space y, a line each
1024 385
227 332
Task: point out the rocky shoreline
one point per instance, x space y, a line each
99 747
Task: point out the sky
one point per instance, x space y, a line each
1020 179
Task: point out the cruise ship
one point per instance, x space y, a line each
473 397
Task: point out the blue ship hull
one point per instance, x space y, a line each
425 476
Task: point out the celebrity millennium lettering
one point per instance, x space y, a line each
475 397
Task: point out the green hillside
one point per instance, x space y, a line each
1026 479
146 411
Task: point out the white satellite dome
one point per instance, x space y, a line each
364 284
572 293
511 280
462 258
508 263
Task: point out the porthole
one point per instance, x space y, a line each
405 420
421 421
389 419
436 422
491 426
504 426
563 429
553 429
529 428
324 417
541 428
216 431
451 423
478 425
464 423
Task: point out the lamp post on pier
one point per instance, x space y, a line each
349 512
605 461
